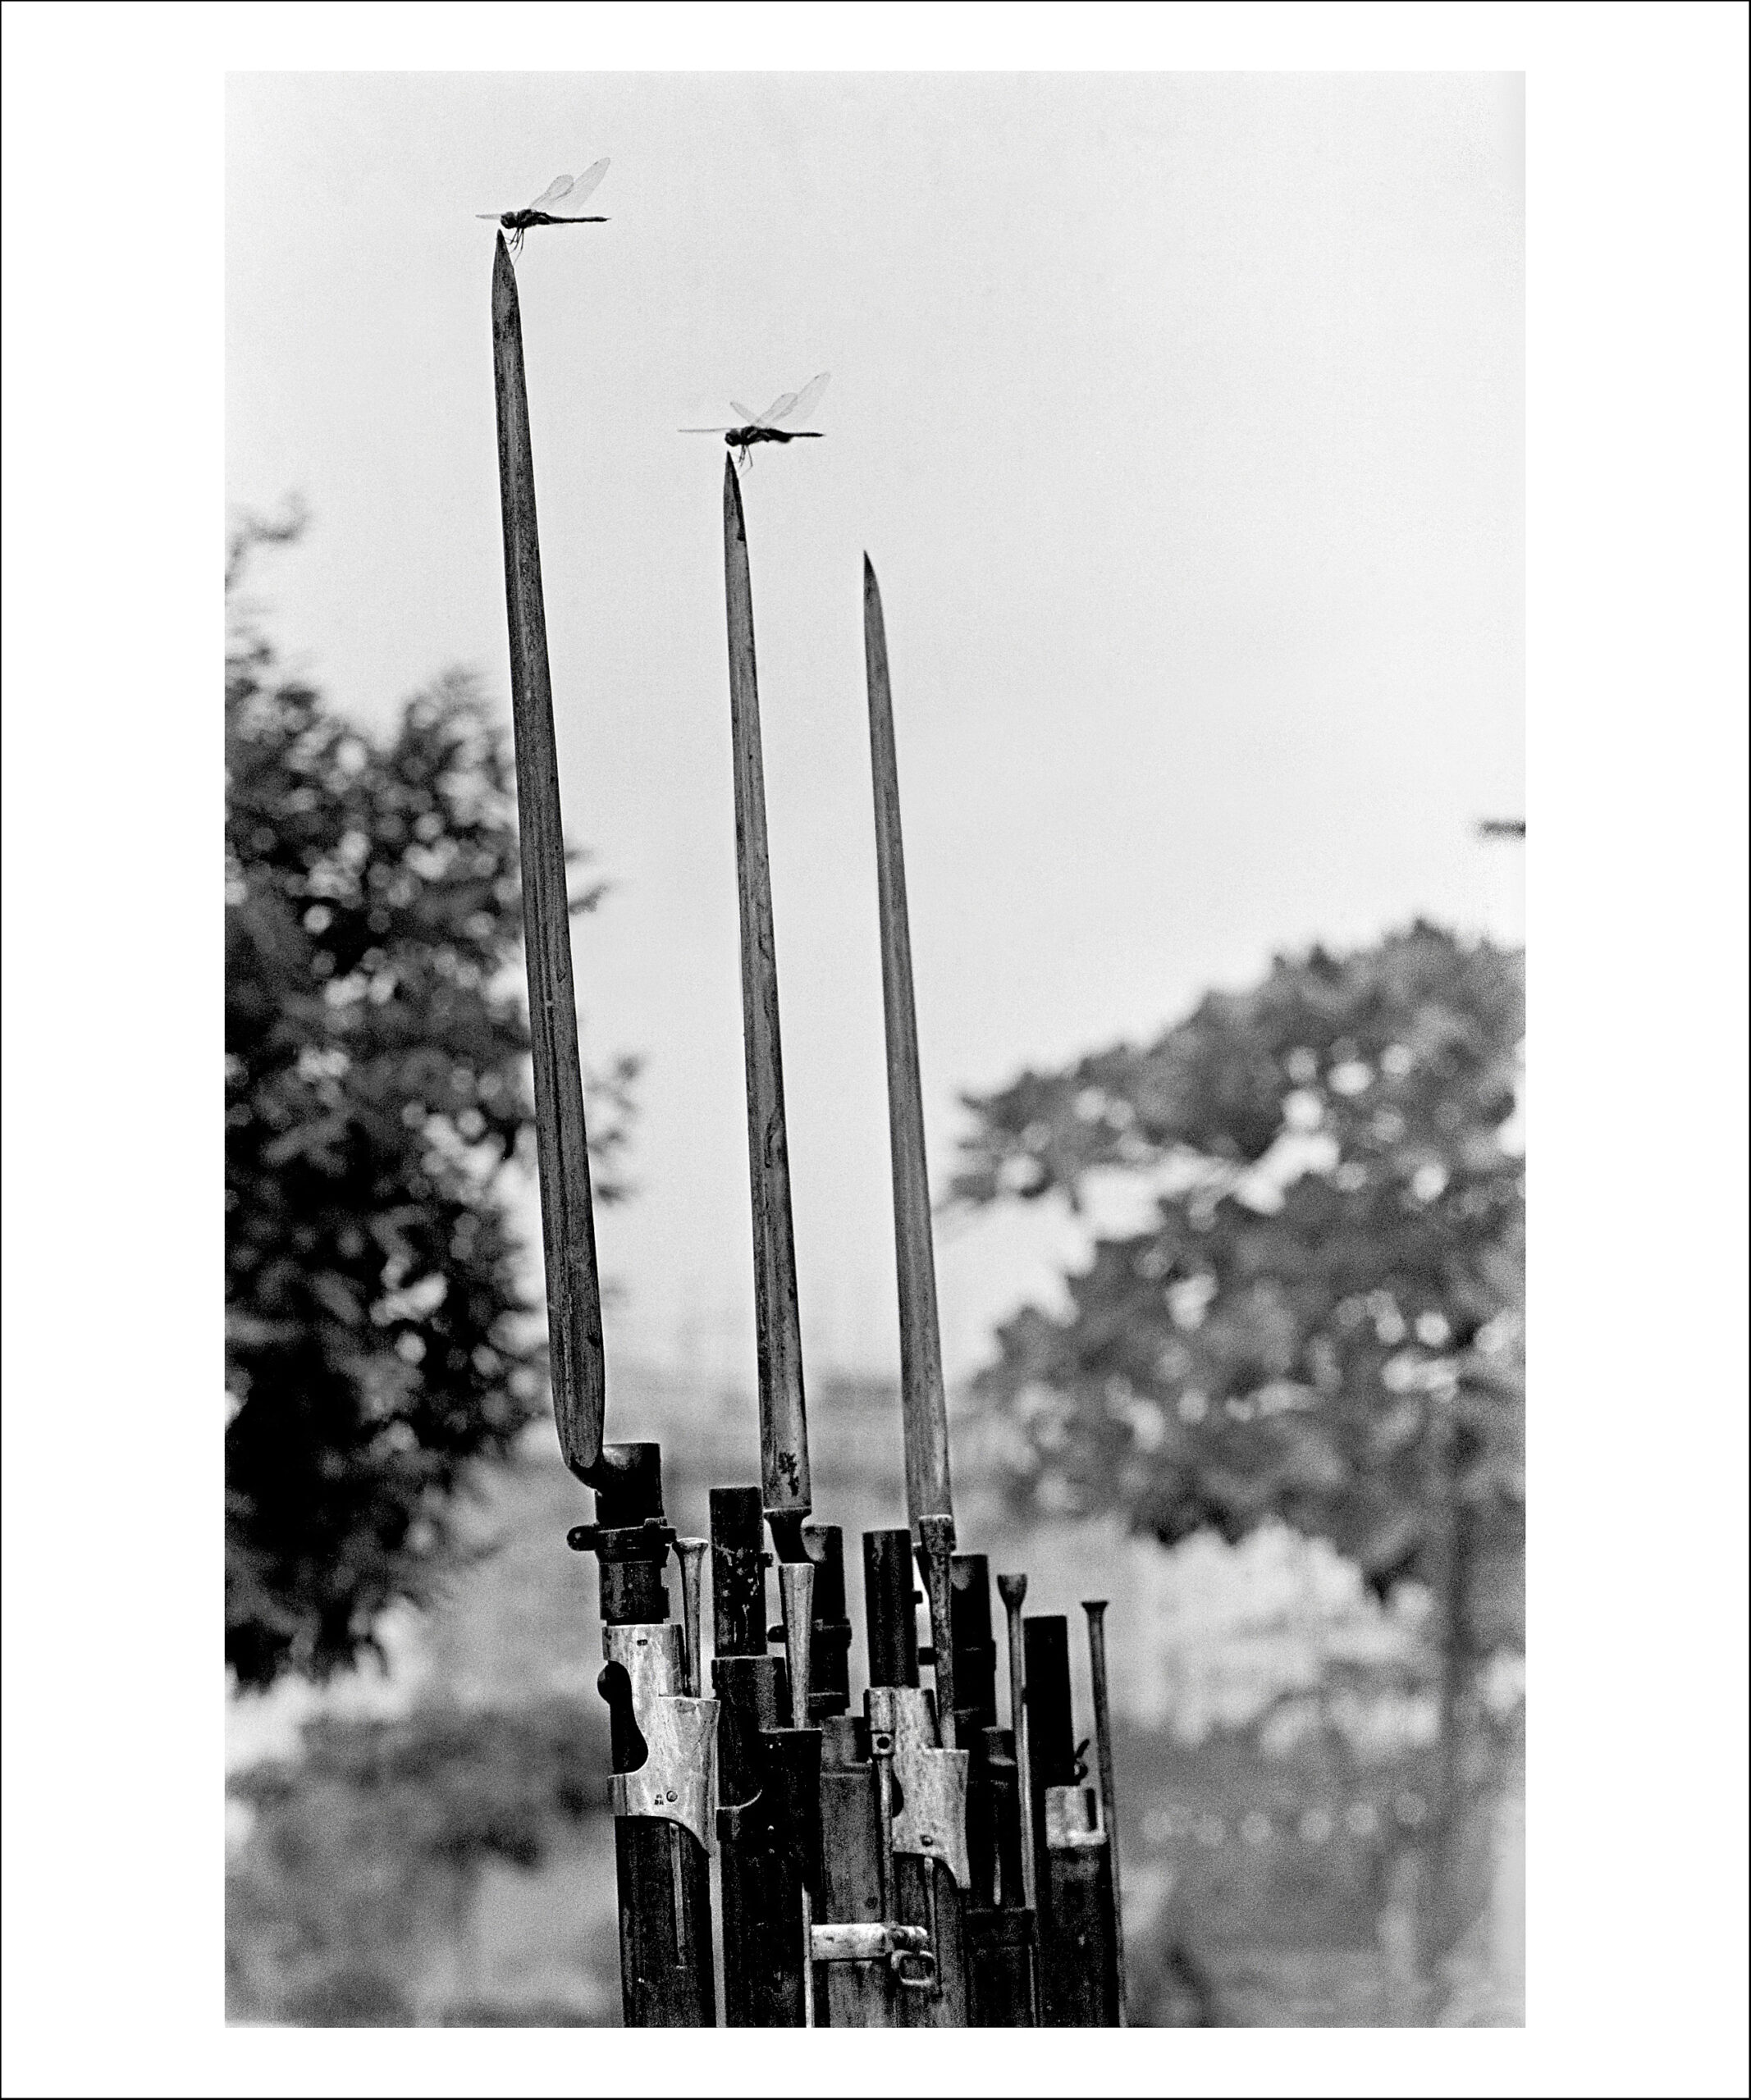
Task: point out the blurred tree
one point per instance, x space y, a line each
1320 1321
371 1842
377 1335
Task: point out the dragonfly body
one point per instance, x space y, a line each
560 205
520 223
739 441
764 430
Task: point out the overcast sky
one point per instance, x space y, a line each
1180 416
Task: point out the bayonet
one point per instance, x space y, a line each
926 1412
784 1426
662 1737
998 1968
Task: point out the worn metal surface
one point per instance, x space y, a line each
739 1572
1078 1965
930 1817
762 1914
796 1590
1000 1922
677 1779
691 1553
904 1950
1096 1610
1079 1970
663 1872
1000 1964
784 1426
975 1690
1073 1819
830 1646
1004 1778
1012 1589
791 1797
889 1613
926 1894
574 1315
664 1887
921 1791
975 1649
852 1993
765 1869
935 1550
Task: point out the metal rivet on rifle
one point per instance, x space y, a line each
669 1795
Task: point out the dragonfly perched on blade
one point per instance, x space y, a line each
561 204
763 430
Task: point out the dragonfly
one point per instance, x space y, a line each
763 430
561 204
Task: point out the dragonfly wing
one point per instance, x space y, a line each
582 189
781 407
705 430
558 188
805 401
745 415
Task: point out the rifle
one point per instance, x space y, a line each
662 1735
770 1831
985 1961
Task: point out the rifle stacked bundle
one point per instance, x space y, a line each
899 1859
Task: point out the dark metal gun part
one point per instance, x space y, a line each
1078 1953
1000 1923
830 1660
1096 1610
768 1819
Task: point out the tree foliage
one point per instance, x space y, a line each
1319 1322
375 1836
379 1338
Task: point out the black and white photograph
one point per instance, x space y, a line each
871 987
1131 1317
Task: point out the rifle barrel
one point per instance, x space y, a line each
1012 1589
1096 1610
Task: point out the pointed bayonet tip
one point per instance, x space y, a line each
733 518
503 280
